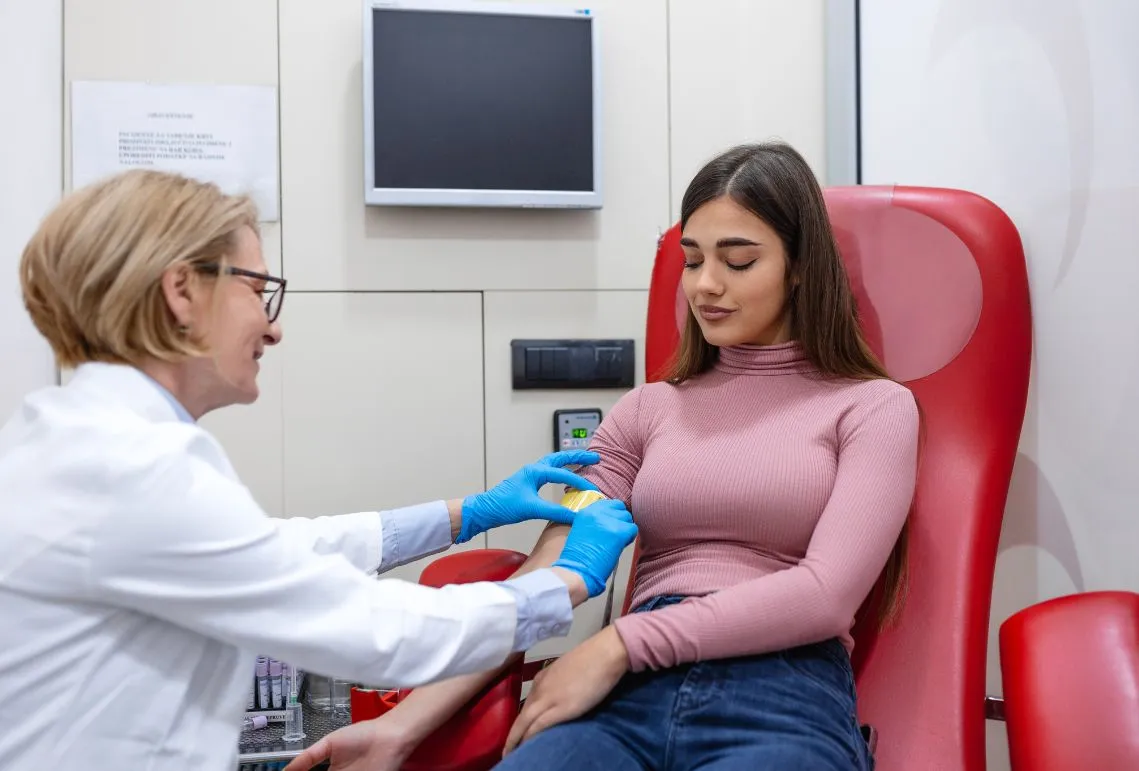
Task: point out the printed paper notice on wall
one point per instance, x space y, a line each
221 134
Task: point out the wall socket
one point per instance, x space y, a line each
560 364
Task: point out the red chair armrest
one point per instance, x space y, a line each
1070 668
473 739
466 567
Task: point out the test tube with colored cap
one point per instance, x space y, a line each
254 722
275 684
263 684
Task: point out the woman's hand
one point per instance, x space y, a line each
571 686
372 745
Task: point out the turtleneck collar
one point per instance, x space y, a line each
782 359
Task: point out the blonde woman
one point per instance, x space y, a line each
139 578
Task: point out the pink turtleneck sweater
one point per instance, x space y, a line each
772 493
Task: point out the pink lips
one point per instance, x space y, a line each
713 312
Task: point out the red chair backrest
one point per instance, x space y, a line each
942 289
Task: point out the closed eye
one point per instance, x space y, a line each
743 266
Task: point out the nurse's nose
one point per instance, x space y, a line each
275 333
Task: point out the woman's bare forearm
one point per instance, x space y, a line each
430 706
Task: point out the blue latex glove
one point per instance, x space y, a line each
516 499
599 534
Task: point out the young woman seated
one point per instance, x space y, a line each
770 475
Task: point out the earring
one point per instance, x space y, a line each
184 329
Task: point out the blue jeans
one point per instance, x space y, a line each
784 711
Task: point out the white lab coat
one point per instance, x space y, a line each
139 580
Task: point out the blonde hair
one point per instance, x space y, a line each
92 274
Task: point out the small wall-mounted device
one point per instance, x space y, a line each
572 364
574 429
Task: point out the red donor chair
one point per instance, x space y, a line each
942 289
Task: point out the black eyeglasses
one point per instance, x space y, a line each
273 294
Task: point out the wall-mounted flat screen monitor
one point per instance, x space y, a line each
471 103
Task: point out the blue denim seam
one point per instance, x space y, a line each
852 694
673 727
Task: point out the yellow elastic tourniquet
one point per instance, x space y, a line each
576 500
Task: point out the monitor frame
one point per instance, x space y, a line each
539 199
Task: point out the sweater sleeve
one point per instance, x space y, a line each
818 598
619 442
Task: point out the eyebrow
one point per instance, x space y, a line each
723 243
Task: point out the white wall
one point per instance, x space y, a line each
383 401
31 82
1036 106
744 71
139 40
392 384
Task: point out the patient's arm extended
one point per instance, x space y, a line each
430 706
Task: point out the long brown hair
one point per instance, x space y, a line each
774 182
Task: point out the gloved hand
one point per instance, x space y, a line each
516 499
599 534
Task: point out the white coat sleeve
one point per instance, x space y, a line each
376 541
192 547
